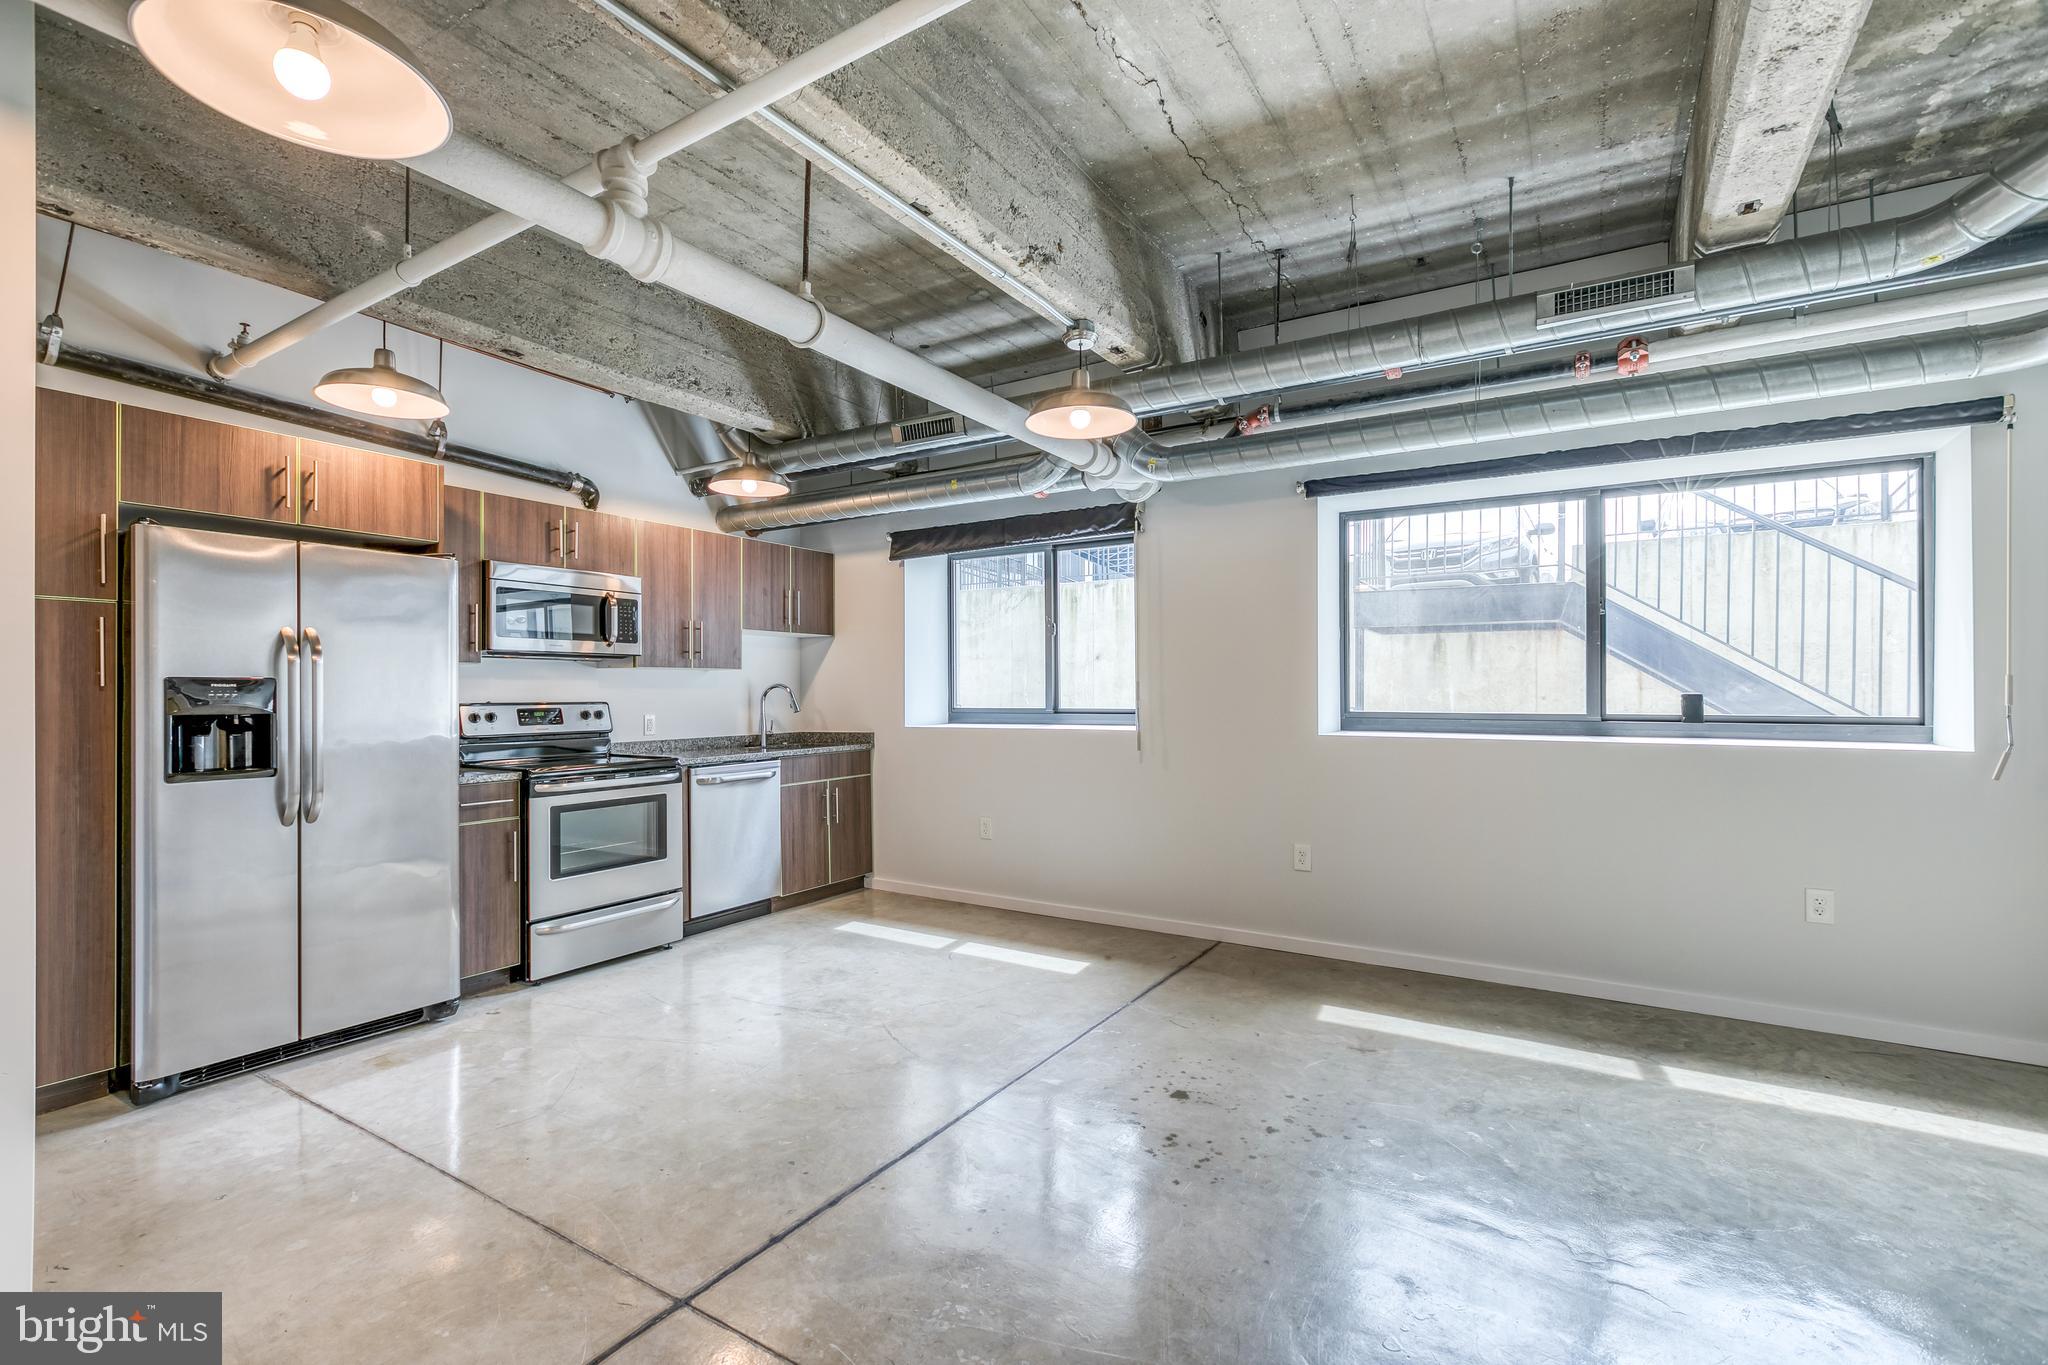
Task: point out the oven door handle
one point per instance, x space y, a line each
579 784
573 923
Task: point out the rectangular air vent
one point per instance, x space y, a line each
929 428
1656 289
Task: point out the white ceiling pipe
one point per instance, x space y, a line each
743 102
648 251
1018 478
1722 388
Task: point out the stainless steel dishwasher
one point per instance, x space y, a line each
735 842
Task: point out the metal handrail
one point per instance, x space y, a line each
1815 541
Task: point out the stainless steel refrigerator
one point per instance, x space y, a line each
292 774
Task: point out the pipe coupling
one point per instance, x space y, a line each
642 249
623 177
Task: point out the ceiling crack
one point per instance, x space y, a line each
1106 41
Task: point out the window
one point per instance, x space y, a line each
1777 603
1045 634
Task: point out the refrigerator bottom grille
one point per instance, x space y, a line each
145 1092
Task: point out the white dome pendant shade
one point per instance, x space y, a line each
1078 412
320 73
748 480
381 389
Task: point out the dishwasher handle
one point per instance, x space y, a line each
721 779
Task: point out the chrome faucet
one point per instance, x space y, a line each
767 692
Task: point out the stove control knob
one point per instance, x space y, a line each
586 714
598 714
474 718
491 716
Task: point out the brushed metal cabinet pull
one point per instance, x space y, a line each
100 621
555 538
312 485
476 630
576 541
515 857
699 636
103 549
798 617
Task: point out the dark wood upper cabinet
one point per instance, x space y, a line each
767 586
77 840
182 462
77 521
666 637
489 889
806 838
374 495
599 542
716 580
811 576
521 531
462 538
852 808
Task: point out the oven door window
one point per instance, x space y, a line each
602 836
535 613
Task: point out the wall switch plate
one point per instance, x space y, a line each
988 827
1301 863
647 724
1820 906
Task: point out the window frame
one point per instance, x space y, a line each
1052 713
1595 721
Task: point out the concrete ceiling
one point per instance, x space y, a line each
1103 150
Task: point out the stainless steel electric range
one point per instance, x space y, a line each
606 861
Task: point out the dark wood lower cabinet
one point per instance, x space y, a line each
77 840
852 811
806 846
489 888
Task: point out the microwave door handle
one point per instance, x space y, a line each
315 783
607 618
285 744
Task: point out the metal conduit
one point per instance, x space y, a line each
1718 388
1018 478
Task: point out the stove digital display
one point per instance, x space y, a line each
540 715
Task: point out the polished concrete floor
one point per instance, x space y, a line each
885 1129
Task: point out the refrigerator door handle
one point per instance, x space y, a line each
315 783
288 724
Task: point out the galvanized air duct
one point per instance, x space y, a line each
1718 388
1748 279
1019 478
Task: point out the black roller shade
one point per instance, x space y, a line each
1926 418
1082 523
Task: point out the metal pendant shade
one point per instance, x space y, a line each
381 389
320 73
748 480
1080 412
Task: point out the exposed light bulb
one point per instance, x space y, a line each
1080 417
383 397
748 486
298 67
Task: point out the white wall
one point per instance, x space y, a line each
142 304
1661 873
17 617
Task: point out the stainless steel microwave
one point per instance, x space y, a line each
540 609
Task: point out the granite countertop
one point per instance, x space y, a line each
470 776
710 750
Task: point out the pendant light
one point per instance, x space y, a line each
381 389
1078 411
320 73
748 480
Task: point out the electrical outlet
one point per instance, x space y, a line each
988 827
1301 863
1820 906
647 724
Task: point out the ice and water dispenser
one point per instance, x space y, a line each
219 728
